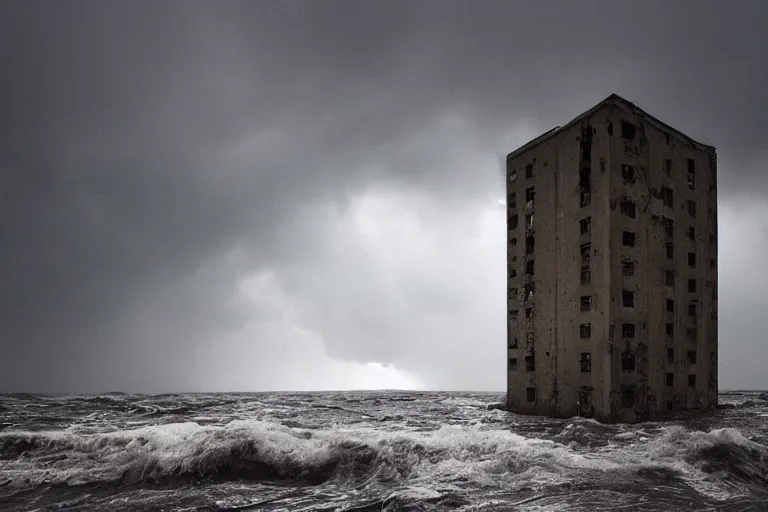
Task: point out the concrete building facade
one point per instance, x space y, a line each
612 269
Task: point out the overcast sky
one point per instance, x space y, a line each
305 195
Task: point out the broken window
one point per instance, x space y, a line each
628 268
529 221
669 278
692 380
529 245
668 167
628 396
528 313
670 328
513 364
528 292
586 276
670 355
585 331
691 166
610 128
585 225
627 173
691 174
530 363
585 254
585 362
628 208
667 138
585 303
691 232
691 356
692 259
670 379
691 285
667 196
530 394
530 194
627 330
628 298
669 227
514 313
513 220
670 251
529 339
627 130
512 272
670 305
692 309
691 207
513 176
529 267
628 362
584 198
529 171
691 181
628 238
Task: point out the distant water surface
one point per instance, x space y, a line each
369 451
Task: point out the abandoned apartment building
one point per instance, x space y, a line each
612 269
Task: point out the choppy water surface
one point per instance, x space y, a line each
366 451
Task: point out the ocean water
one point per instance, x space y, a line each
369 451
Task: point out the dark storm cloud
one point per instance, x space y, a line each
154 153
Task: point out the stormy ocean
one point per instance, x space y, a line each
366 451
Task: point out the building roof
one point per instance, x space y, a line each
612 99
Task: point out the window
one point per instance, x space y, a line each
514 313
670 251
691 285
691 232
712 263
530 364
513 241
691 354
529 339
528 313
670 329
586 276
529 221
529 171
530 194
692 380
585 254
669 227
628 362
513 343
627 130
692 309
670 379
585 331
627 299
691 166
530 394
609 129
528 292
529 244
512 272
584 198
628 268
667 138
690 206
628 239
513 176
585 225
513 220
669 278
691 181
692 259
691 174
585 362
529 267
627 173
585 303
670 305
512 200
627 330
513 364
667 196
668 167
670 355
628 396
691 333
628 208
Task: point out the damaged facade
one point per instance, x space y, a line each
612 269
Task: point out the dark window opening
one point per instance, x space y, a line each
628 239
627 130
585 254
511 293
584 198
627 173
667 196
529 267
513 220
670 305
670 355
691 333
627 299
512 272
529 171
692 380
513 241
528 313
585 362
628 208
513 364
628 362
668 167
691 285
667 138
628 268
530 194
691 232
585 303
670 251
669 227
691 356
670 379
528 292
586 276
529 245
670 406
628 330
691 207
585 178
586 143
512 201
530 363
610 128
529 339
513 176
513 343
529 221
691 181
692 259
585 331
585 225
692 309
670 329
514 313
713 263
669 278
628 397
530 394
691 166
